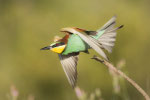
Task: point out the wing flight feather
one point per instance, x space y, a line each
69 64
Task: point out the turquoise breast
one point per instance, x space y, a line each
75 44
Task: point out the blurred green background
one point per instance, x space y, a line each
28 25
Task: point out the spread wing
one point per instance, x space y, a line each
69 64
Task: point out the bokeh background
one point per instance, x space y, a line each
28 25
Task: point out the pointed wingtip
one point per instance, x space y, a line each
106 58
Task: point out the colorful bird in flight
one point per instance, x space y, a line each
79 40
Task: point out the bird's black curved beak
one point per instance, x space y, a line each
46 48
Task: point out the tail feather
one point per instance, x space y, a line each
111 23
115 29
108 37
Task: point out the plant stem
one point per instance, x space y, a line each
119 72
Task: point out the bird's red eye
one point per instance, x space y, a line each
57 44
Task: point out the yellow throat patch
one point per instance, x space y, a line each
59 49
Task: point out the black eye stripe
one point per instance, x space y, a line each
58 44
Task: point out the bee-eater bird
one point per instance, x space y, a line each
79 40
